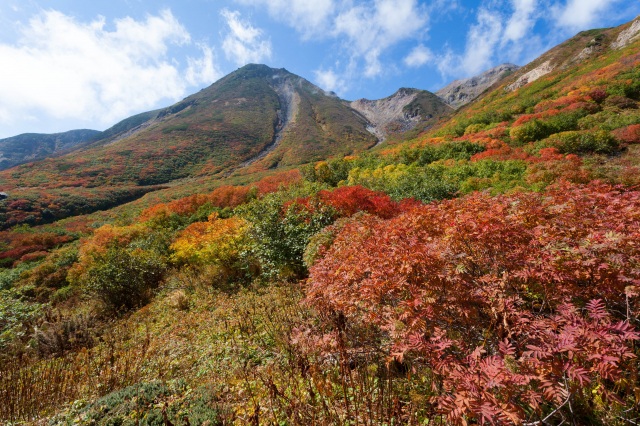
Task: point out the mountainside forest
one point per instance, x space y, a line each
266 253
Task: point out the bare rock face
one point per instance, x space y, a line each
533 75
461 92
401 112
627 36
383 112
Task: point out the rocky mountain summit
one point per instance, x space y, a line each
401 112
461 92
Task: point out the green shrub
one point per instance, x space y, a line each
17 310
531 131
621 102
609 119
333 172
402 181
564 121
123 278
474 128
425 185
8 276
500 176
421 156
143 404
575 142
279 233
629 90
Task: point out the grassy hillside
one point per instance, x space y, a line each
34 146
485 271
212 133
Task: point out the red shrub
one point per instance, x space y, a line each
352 199
348 200
275 182
229 196
559 103
483 291
525 118
598 95
36 255
629 134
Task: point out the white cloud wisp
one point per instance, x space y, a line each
64 69
580 14
244 43
309 18
419 56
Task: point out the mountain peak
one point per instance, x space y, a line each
461 92
405 110
260 70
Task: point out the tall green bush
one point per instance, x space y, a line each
123 278
280 232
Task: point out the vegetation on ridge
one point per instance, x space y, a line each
487 271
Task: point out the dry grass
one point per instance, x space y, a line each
30 390
237 344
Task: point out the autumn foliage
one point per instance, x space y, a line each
520 305
218 242
348 200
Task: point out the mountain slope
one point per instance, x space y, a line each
246 114
461 92
578 49
35 146
254 119
401 112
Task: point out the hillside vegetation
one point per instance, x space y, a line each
486 271
34 146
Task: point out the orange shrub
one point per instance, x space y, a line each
629 134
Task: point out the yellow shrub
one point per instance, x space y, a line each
218 241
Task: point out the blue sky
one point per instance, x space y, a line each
67 64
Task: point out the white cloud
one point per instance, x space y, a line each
482 40
580 14
310 18
372 30
365 29
202 69
496 36
330 81
522 20
244 43
64 69
419 56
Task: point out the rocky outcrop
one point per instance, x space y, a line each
461 92
627 36
401 112
533 75
383 113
